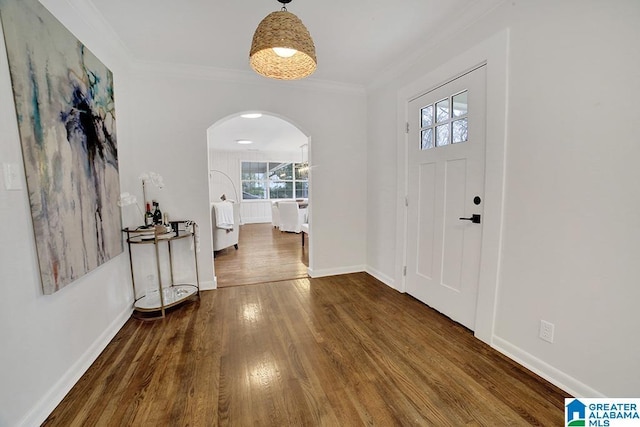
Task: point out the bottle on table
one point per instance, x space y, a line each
148 216
157 214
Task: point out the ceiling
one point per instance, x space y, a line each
268 133
355 39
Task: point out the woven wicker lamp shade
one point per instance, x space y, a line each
282 29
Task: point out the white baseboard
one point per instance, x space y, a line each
335 271
541 368
381 277
255 220
43 408
546 371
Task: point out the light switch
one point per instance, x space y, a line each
12 179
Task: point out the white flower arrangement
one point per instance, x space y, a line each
127 199
153 177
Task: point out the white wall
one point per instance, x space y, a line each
163 116
47 342
571 228
572 213
176 107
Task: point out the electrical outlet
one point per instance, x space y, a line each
12 176
546 331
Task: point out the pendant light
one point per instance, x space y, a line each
282 47
304 165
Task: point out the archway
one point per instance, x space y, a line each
243 142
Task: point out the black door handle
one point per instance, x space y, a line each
475 218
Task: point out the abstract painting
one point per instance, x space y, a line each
65 110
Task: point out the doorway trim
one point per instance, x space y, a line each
221 120
494 53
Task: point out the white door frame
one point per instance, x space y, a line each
494 53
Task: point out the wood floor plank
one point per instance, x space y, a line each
335 351
265 254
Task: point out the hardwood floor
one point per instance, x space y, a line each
335 351
264 255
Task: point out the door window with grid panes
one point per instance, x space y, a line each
444 122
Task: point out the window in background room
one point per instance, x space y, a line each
302 180
274 180
280 180
254 180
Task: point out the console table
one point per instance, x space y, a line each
154 303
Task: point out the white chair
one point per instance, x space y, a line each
275 215
223 238
289 216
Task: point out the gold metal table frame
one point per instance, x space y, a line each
174 294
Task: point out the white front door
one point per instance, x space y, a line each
445 190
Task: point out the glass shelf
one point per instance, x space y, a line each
172 295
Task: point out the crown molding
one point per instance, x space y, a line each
471 15
201 72
82 18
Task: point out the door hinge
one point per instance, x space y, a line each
407 128
404 270
406 201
